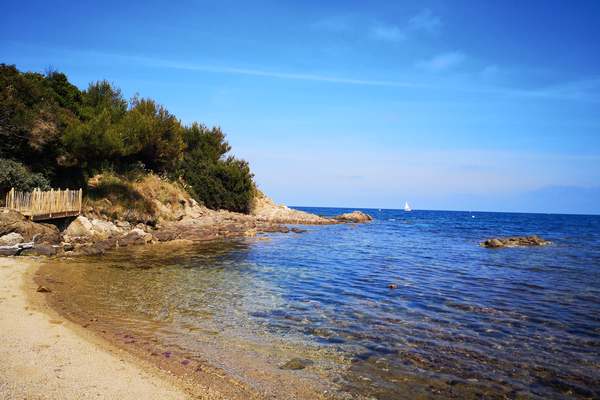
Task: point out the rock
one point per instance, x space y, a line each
104 229
80 227
10 251
515 241
123 224
354 216
40 250
296 364
298 230
89 251
91 229
166 235
43 289
68 246
264 209
135 237
10 239
493 243
14 222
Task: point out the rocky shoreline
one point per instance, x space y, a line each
514 241
94 234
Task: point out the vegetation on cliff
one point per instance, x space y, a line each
53 133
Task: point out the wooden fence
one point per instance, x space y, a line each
39 205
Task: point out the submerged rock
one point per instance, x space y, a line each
296 364
515 241
40 250
354 216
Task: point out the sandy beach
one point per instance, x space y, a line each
46 357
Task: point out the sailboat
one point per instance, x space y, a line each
407 207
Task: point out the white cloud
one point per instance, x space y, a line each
442 62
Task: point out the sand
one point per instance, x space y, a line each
44 356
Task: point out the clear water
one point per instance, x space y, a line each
463 321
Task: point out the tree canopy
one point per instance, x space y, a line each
64 135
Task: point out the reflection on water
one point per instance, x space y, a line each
463 322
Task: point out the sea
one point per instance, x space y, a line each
406 306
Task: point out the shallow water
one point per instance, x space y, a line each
463 322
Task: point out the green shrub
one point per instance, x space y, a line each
215 181
50 126
15 175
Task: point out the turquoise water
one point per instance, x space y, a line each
462 322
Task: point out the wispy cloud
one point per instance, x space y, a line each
442 62
387 32
425 21
585 90
581 91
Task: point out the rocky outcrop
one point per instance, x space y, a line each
178 219
14 222
82 227
354 216
264 209
515 241
135 237
10 239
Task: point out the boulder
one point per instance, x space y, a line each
80 227
9 251
96 229
135 237
68 246
123 224
104 229
10 239
354 216
14 222
515 241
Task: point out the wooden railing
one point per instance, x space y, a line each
49 204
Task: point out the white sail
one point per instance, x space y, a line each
407 207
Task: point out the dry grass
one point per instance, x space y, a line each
146 199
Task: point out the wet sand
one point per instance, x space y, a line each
45 356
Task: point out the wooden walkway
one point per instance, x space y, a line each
39 205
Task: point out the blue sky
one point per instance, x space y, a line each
460 105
